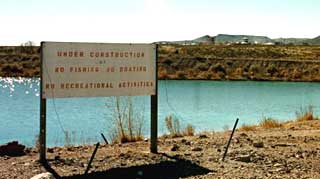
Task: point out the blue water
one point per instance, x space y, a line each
207 105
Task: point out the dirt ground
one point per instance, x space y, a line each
290 152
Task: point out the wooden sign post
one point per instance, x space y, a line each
43 114
154 112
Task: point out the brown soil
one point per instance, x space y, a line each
201 62
289 152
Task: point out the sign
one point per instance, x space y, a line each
97 69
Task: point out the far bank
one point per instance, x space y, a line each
201 62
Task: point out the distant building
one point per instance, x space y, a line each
269 43
244 41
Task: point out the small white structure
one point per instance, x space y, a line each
269 43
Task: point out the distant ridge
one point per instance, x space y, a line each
295 41
245 39
225 38
315 41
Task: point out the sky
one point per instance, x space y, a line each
146 21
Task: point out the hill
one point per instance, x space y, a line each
315 41
244 39
295 41
225 38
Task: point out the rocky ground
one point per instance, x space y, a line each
292 151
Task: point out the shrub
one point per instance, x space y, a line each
188 131
268 123
127 124
69 138
218 68
305 114
254 68
173 126
181 75
163 74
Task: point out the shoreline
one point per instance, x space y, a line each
289 152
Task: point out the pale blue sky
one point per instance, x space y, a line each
144 21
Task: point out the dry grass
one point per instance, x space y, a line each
188 131
268 123
306 115
127 122
246 127
173 126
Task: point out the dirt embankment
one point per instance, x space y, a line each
205 62
292 151
271 63
19 61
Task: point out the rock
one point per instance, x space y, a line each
188 143
121 155
183 141
197 149
44 176
277 165
12 149
236 140
50 150
243 158
218 150
258 144
203 136
175 147
243 135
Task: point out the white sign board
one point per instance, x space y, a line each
97 69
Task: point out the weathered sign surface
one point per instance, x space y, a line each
97 69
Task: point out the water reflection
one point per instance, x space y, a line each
8 84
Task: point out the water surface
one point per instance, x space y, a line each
207 105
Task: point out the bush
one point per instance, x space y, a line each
268 123
181 75
127 124
305 114
218 68
188 131
173 126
